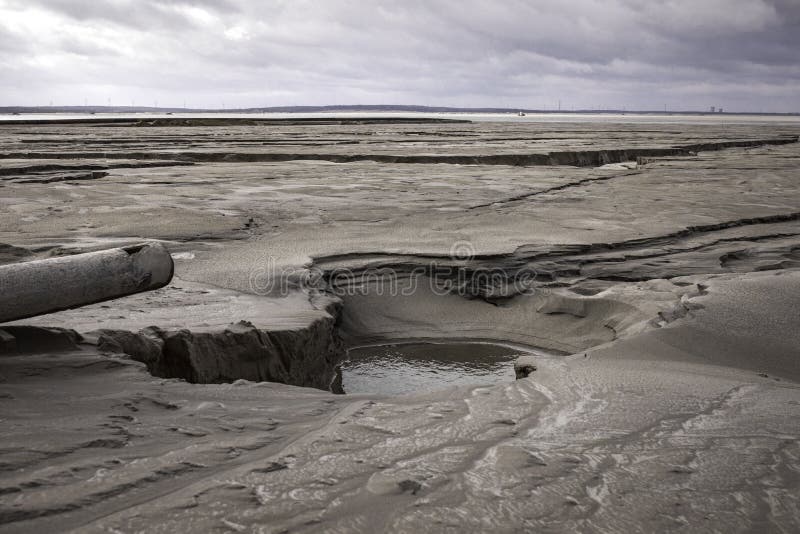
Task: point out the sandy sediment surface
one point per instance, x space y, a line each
666 291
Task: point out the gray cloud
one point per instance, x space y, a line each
141 14
618 53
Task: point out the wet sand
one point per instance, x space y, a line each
667 276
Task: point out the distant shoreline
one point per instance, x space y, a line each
370 109
221 121
351 118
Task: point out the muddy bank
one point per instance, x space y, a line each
219 336
304 357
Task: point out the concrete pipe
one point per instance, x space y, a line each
45 286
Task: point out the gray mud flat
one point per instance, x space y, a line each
660 263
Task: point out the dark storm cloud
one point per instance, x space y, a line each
615 53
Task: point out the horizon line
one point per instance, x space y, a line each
373 107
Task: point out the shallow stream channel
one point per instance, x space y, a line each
397 369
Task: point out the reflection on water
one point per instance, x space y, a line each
405 368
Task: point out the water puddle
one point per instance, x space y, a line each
410 367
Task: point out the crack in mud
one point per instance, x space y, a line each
561 187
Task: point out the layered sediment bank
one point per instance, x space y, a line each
582 158
664 291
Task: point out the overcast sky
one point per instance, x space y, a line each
635 54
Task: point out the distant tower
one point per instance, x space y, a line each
720 110
713 109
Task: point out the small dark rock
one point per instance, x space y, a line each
411 486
